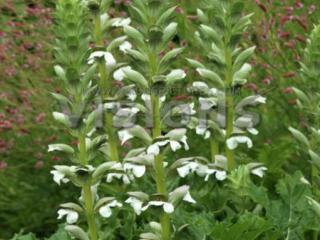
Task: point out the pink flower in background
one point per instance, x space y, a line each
3 165
11 71
40 117
39 165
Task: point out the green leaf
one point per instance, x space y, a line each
170 55
300 136
77 232
315 158
211 33
242 58
169 32
249 227
315 205
61 234
115 43
212 76
134 35
136 77
195 63
137 55
166 16
302 96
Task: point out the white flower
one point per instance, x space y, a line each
221 175
260 171
187 109
167 207
261 99
253 131
119 176
121 22
188 198
105 211
181 193
72 216
136 204
205 171
233 142
59 177
175 142
207 103
119 74
125 46
186 169
202 130
108 57
137 170
124 136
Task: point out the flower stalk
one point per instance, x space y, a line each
229 103
159 168
105 92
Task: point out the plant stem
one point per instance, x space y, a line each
105 88
87 194
214 148
88 201
229 103
159 168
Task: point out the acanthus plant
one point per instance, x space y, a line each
224 118
84 73
308 102
151 72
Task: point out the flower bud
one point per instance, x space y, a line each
94 6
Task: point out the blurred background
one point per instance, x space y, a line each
28 196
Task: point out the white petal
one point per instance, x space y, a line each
121 22
253 131
145 97
62 213
221 175
261 99
105 211
139 170
111 176
207 134
125 46
206 103
124 136
119 73
72 217
153 149
175 145
94 55
132 95
184 141
260 171
110 60
233 142
136 204
168 208
59 177
183 171
188 198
